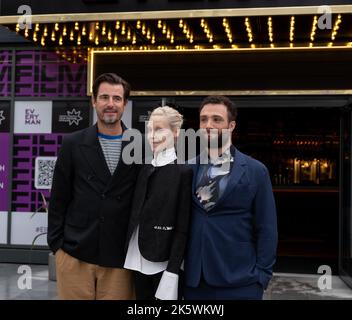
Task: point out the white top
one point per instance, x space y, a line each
168 285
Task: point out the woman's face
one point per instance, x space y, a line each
160 134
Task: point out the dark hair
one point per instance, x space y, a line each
230 106
111 78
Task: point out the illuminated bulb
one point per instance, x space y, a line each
160 24
79 40
60 41
42 42
35 39
138 24
45 31
76 26
72 36
180 23
96 40
17 27
97 26
64 31
37 27
103 31
115 39
84 30
53 35
117 25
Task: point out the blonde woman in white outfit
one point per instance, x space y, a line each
157 233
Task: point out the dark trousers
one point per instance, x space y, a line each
146 285
204 291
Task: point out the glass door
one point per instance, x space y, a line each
345 250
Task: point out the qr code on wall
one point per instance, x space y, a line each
44 170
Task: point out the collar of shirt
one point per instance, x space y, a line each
226 157
164 157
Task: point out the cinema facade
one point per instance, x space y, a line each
287 67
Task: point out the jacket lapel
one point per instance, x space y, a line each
195 166
93 154
236 173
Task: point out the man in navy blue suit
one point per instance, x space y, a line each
233 233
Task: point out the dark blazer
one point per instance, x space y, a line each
234 244
89 208
161 208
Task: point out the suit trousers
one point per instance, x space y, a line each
79 280
204 291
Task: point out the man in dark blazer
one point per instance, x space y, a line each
233 233
90 202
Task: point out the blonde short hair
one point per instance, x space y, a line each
174 118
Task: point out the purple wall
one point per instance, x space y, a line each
26 147
47 74
5 73
4 170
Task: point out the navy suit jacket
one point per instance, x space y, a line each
235 242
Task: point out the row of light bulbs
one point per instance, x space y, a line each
292 29
336 27
207 30
166 30
97 30
249 29
226 25
186 29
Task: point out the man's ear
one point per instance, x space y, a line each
232 125
93 101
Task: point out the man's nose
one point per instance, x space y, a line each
209 124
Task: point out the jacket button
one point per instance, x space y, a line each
102 219
103 196
118 197
90 177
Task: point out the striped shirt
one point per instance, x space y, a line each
111 146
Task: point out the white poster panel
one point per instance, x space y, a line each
126 118
3 227
33 116
25 227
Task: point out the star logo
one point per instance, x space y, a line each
72 117
2 118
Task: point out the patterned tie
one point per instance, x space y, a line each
208 188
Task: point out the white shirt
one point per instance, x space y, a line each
168 285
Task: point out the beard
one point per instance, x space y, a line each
110 119
217 139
